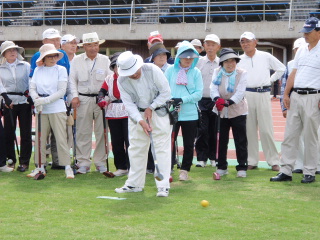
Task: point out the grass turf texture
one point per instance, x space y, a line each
249 208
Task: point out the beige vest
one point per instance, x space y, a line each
234 110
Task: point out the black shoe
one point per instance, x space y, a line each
281 177
317 172
57 167
308 179
22 168
297 171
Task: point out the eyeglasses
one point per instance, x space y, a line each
52 56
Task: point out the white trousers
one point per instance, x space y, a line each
304 115
260 118
139 147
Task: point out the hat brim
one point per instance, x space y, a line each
20 49
188 54
229 56
100 42
306 30
39 61
159 51
132 70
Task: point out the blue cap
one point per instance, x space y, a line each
310 25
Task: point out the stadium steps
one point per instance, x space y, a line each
151 13
300 10
35 11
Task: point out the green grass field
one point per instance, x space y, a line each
250 208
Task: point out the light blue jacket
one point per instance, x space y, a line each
188 110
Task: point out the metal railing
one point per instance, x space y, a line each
134 12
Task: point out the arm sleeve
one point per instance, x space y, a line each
62 86
241 89
283 86
278 67
33 64
214 89
73 81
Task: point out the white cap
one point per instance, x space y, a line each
298 43
213 38
154 33
69 38
51 33
248 35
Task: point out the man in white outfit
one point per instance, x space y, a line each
258 65
144 91
87 74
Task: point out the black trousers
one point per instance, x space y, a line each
189 131
238 126
120 142
2 146
206 138
22 112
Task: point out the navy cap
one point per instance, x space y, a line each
310 25
159 51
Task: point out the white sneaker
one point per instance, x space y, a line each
69 173
128 189
36 171
213 163
101 169
183 176
121 172
163 192
83 170
201 164
242 174
222 172
5 168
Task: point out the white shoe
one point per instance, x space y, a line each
121 172
101 169
69 173
201 164
163 192
5 168
128 189
222 172
36 171
242 174
213 163
183 176
83 170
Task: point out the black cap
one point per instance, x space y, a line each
113 60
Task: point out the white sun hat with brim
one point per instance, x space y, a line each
47 49
128 63
90 38
8 45
197 43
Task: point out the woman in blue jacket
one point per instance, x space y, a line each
186 85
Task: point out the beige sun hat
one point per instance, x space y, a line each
8 45
128 63
90 38
45 50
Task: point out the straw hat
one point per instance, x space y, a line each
90 38
128 63
8 45
45 50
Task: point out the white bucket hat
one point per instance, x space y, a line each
128 63
90 38
8 45
45 50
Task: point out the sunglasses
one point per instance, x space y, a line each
52 56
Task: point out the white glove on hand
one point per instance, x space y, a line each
39 108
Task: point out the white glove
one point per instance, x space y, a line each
39 108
